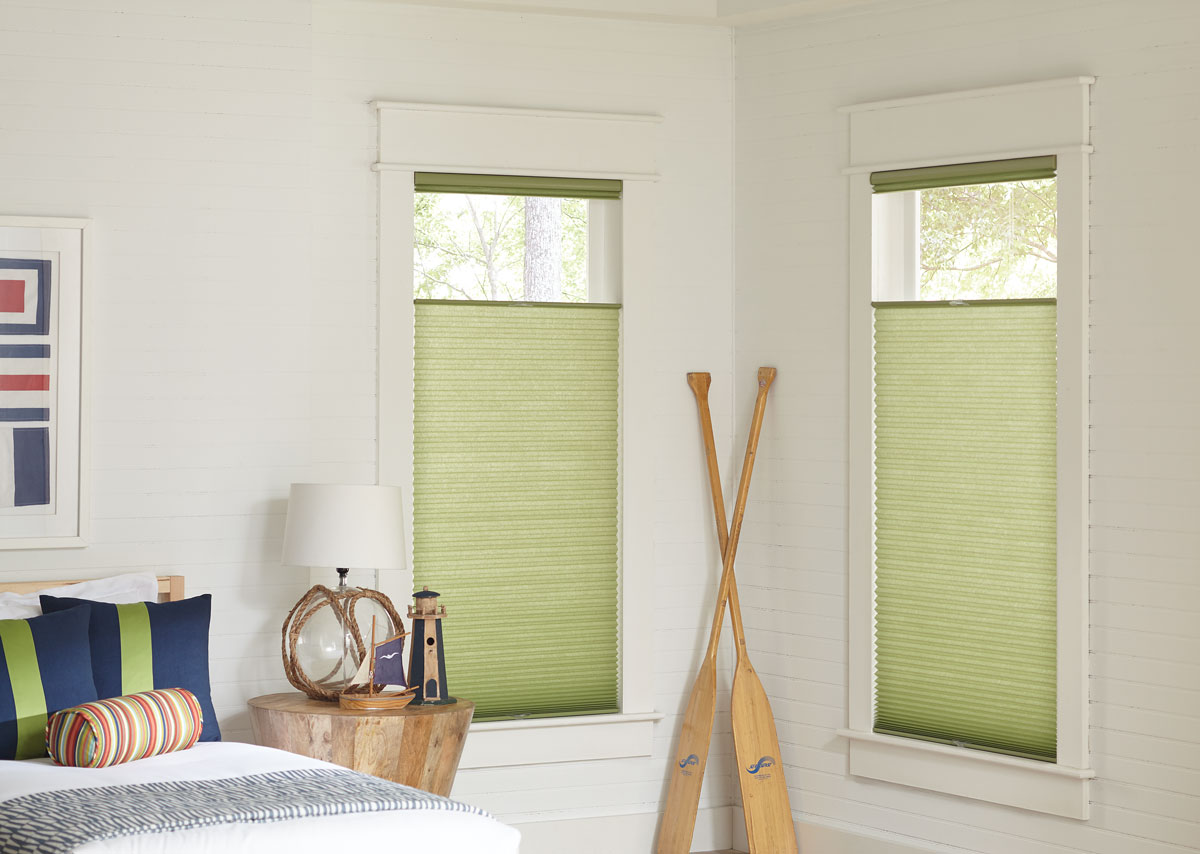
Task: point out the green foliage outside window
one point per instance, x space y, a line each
491 247
989 241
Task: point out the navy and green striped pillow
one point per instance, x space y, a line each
150 645
45 666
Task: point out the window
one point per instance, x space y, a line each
967 660
964 464
515 475
500 142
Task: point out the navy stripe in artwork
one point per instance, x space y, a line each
41 323
24 351
31 466
14 414
62 641
8 711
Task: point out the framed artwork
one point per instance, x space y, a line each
43 272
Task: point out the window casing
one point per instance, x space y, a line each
1032 120
516 436
524 142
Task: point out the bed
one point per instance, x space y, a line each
225 797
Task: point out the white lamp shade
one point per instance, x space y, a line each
343 525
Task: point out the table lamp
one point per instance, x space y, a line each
338 526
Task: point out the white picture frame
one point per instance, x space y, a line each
44 467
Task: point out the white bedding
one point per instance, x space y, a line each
442 831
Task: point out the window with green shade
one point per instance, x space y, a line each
965 524
965 466
515 439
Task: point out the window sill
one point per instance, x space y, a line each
493 744
1023 783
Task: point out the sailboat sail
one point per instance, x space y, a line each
389 662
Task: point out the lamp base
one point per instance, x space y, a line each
323 642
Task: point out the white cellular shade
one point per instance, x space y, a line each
344 525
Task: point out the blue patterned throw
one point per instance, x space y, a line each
58 822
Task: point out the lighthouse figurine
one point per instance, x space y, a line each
427 669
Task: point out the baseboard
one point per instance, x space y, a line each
717 829
619 834
817 837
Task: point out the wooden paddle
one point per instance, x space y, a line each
687 775
765 802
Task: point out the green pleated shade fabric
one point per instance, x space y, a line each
517 185
960 174
515 500
965 530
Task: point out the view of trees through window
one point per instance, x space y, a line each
490 247
989 241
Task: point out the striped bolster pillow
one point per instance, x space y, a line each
109 732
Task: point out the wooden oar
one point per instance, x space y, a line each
765 802
687 773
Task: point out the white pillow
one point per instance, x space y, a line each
118 589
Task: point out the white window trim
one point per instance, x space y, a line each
1006 122
511 141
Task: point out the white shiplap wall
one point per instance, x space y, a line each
1145 412
223 150
367 50
183 130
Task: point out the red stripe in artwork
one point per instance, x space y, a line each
12 295
24 382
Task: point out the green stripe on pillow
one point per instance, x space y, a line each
137 655
26 679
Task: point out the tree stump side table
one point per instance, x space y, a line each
418 746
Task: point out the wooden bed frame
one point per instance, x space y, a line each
170 587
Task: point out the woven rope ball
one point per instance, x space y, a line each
314 624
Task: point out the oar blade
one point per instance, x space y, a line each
768 811
687 767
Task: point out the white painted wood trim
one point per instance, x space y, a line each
992 777
717 829
970 125
977 157
638 338
861 443
1072 458
394 452
534 112
583 738
629 832
830 836
985 92
508 170
516 141
958 771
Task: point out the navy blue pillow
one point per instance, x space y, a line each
149 645
45 666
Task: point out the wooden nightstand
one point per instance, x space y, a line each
418 746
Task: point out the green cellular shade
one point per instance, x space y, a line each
965 524
25 678
515 500
518 185
137 662
959 174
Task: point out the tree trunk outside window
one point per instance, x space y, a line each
543 249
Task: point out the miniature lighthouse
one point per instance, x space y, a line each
427 670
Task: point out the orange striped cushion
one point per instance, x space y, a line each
109 732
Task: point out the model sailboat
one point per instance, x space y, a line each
382 666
